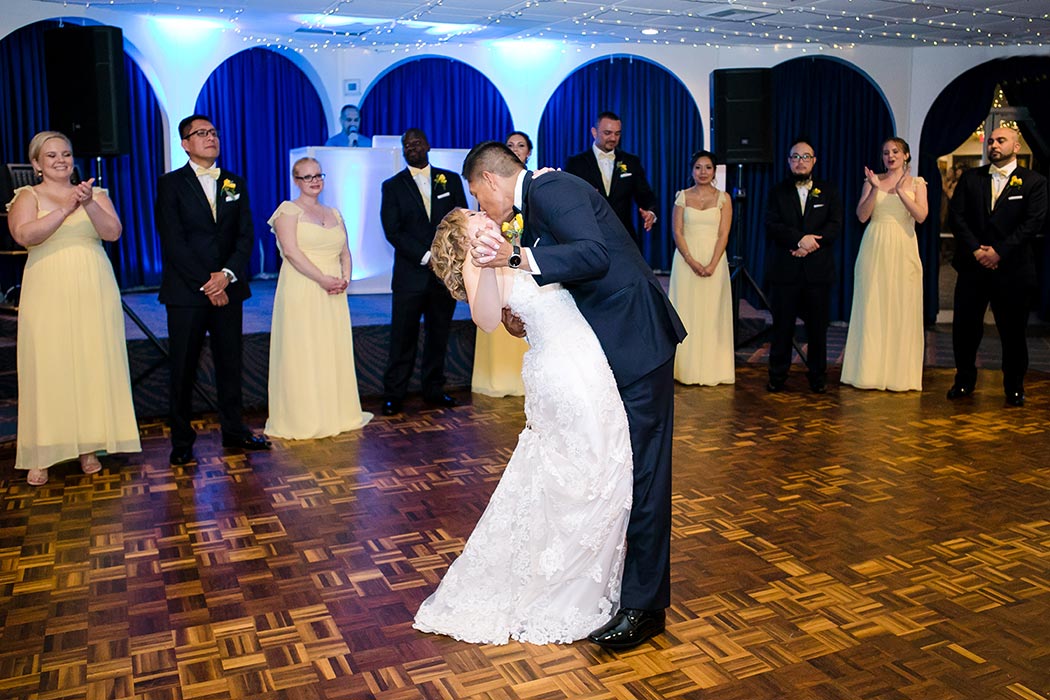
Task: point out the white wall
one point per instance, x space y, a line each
178 58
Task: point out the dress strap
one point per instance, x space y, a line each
24 188
285 208
679 198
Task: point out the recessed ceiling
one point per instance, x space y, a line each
398 24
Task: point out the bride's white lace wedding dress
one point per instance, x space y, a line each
543 564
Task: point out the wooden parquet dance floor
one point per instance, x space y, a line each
857 545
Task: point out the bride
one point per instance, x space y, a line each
543 564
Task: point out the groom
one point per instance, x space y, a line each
573 237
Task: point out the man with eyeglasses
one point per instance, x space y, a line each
206 236
413 203
803 221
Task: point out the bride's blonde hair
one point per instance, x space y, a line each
447 254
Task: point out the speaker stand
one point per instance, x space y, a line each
738 272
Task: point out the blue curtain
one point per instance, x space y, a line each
956 113
131 179
454 104
845 118
661 125
263 106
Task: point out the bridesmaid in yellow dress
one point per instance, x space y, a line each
74 388
884 345
497 355
312 382
699 289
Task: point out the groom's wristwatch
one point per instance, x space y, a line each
514 261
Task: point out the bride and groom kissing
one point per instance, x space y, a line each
575 541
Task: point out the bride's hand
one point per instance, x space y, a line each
541 171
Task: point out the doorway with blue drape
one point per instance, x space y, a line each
131 178
956 113
661 125
845 118
263 106
455 105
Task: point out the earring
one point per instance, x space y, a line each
39 174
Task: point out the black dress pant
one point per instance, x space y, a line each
649 403
1009 297
187 326
435 306
811 303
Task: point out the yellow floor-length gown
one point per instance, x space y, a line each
705 304
312 380
497 363
74 388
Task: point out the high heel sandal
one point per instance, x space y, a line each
37 477
89 463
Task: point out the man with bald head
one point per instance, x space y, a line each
995 213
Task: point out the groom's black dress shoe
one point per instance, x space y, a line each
818 386
246 442
960 391
181 456
391 408
441 401
773 386
1015 398
628 628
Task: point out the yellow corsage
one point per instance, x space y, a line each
1015 182
229 190
513 229
440 180
815 192
621 166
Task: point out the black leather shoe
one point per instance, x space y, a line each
442 401
773 387
182 456
391 408
819 387
246 442
1015 398
959 391
628 628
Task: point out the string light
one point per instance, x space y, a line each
751 24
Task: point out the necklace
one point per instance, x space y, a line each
312 214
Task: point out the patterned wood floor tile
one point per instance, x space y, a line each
855 545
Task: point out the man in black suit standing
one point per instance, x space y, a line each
571 236
803 221
206 237
616 175
995 214
413 203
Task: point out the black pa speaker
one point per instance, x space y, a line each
87 91
741 114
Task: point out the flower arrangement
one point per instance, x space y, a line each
229 190
513 229
441 181
1015 182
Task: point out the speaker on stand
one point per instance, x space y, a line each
742 126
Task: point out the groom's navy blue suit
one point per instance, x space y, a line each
577 240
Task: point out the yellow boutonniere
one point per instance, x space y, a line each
440 180
229 190
815 192
621 166
513 229
1015 182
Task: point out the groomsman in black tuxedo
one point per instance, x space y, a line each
574 238
206 237
414 202
803 221
995 214
617 175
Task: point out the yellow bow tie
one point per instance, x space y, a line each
994 170
214 172
607 156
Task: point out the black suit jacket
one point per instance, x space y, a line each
578 241
193 244
1019 214
627 189
786 223
407 227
